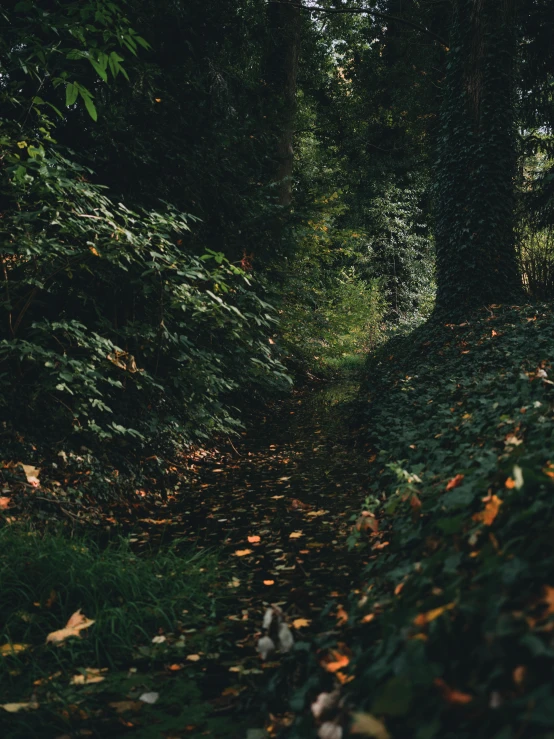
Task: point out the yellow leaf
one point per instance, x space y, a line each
368 725
242 552
12 649
94 251
193 657
299 623
15 707
89 676
296 535
22 144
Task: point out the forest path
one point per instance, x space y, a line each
294 480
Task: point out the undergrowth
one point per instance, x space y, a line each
133 597
450 634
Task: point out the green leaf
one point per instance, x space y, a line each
89 105
71 93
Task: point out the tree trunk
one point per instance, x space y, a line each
476 256
280 73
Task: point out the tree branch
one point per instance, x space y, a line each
375 14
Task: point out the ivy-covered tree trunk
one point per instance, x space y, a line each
280 73
476 257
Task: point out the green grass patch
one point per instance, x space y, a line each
451 635
132 597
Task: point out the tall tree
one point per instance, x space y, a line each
476 257
280 75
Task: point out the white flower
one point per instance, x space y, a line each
329 730
324 702
265 646
286 639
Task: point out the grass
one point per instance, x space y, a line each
132 597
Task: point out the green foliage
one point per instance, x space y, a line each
461 417
105 315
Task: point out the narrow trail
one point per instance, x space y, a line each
278 504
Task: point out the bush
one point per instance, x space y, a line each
110 329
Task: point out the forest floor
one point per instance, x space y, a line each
275 508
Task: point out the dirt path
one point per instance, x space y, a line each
279 501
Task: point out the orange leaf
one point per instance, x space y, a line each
269 582
335 661
424 618
452 696
242 552
368 617
510 483
549 598
299 623
454 482
487 516
342 616
4 502
253 539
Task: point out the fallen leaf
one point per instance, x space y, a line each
242 552
193 657
368 618
269 582
299 623
548 598
253 539
454 482
124 706
334 661
487 516
89 676
341 616
6 649
424 618
175 667
368 725
296 535
74 626
519 675
4 502
159 639
15 707
450 695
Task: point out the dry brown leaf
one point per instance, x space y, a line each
368 725
124 706
519 675
548 598
424 618
74 626
4 502
455 697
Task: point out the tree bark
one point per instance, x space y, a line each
280 74
476 255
